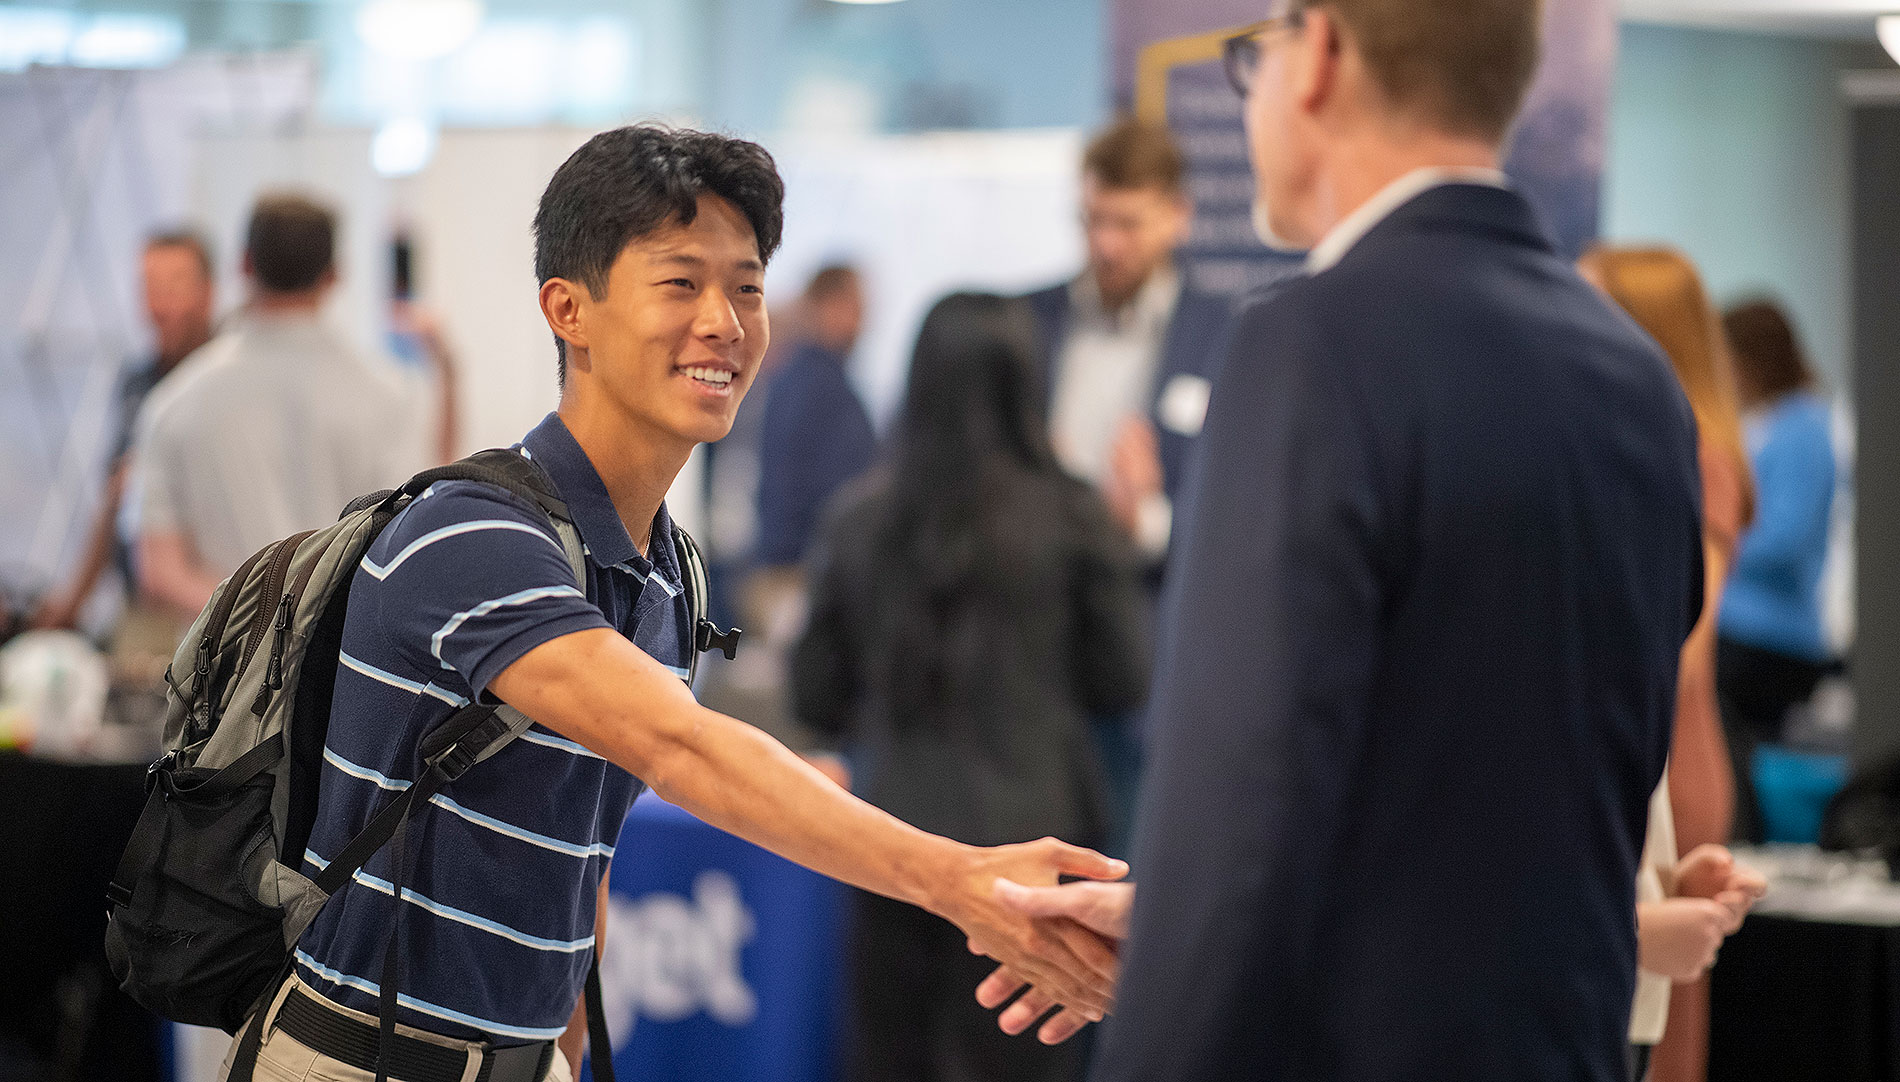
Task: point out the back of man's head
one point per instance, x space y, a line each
1459 66
834 307
291 243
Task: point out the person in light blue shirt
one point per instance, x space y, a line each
1771 648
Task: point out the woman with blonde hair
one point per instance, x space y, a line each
1686 907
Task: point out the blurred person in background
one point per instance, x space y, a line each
1694 808
1129 347
971 606
814 436
1771 649
1129 350
276 425
815 433
1418 662
179 289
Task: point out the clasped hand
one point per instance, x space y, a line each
1097 909
1073 964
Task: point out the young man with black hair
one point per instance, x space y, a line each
650 248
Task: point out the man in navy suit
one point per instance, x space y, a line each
1130 346
1439 555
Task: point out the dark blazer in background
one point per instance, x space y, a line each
815 435
1418 665
1193 347
1055 628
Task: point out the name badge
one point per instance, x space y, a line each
1183 406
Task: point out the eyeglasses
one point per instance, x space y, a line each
1240 54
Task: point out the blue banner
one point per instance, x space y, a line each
721 961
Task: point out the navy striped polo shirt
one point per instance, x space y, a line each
498 920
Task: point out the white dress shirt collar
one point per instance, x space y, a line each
1353 227
1151 306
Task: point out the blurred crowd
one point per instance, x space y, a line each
956 617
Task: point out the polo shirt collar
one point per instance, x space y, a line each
603 535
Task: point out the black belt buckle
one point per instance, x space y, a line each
521 1063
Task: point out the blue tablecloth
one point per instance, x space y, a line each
723 961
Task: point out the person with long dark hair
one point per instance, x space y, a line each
972 606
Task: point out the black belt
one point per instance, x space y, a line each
320 1027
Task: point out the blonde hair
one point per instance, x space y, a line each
1660 289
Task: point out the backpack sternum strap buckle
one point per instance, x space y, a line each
458 742
456 761
707 637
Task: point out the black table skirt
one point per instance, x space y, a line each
65 826
1796 1000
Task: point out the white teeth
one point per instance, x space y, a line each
717 376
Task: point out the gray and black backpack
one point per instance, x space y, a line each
208 901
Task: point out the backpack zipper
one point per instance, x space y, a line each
286 611
273 587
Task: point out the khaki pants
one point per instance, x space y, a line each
285 1059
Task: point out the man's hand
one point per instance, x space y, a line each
1071 963
1100 908
1711 872
1134 472
1678 937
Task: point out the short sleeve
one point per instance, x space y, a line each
471 578
154 501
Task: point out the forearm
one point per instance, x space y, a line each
170 574
726 772
448 408
601 690
92 564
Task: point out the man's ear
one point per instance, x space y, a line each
1183 208
1317 51
563 304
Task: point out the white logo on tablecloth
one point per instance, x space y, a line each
669 957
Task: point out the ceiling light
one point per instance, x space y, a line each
1887 27
418 29
128 41
401 147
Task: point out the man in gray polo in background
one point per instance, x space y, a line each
273 426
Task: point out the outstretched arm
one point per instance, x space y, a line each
604 692
62 608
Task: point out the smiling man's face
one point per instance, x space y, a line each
676 341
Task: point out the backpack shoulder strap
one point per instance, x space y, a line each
706 634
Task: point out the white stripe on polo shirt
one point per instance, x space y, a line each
383 676
549 740
521 834
521 597
556 845
364 984
461 916
363 772
474 526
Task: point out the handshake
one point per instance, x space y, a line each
1058 944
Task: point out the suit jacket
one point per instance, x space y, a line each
1192 348
1418 665
815 436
